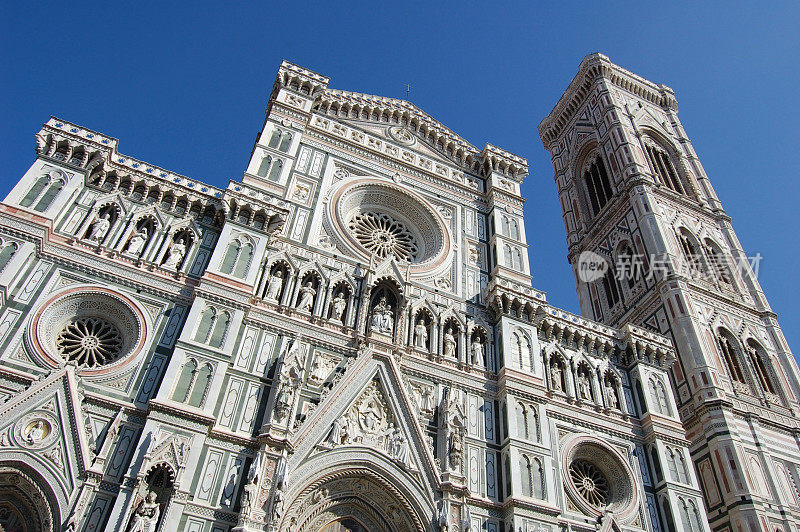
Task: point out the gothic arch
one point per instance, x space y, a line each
26 496
360 484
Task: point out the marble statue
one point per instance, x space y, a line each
275 286
478 358
307 294
420 335
339 304
176 254
611 396
584 388
383 317
556 377
99 228
146 516
137 242
449 344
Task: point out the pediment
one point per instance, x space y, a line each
369 412
44 424
645 118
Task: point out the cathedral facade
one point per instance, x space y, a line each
347 338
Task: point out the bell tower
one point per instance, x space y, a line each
651 245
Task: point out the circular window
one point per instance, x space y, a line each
376 218
90 342
384 236
598 479
91 327
592 484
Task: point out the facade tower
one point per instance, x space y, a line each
651 245
346 339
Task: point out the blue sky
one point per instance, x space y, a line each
185 86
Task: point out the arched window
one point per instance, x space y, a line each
611 287
656 464
730 356
672 465
694 516
658 396
522 422
517 259
220 330
526 473
275 139
669 523
509 261
263 168
231 254
35 191
691 252
50 195
662 167
640 394
514 226
755 353
522 349
207 319
275 170
626 267
138 192
680 464
537 480
200 387
244 260
7 251
259 221
718 261
286 141
598 185
237 259
61 152
185 381
181 206
533 429
243 217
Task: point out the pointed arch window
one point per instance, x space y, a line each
719 262
754 352
598 184
7 251
522 422
656 464
538 480
185 381
526 472
286 141
731 357
35 191
50 195
237 259
691 252
207 319
220 330
263 167
663 169
200 386
275 139
658 396
275 170
611 287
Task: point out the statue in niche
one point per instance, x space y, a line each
176 254
146 516
426 396
307 294
290 378
444 517
455 448
478 358
449 344
383 317
611 395
335 435
584 387
137 242
275 286
321 368
339 304
99 228
421 335
556 377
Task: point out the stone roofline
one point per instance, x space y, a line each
313 85
531 303
97 142
593 67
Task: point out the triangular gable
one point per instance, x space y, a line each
645 118
43 424
388 269
151 210
356 416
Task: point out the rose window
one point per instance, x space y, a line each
382 235
90 342
590 482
